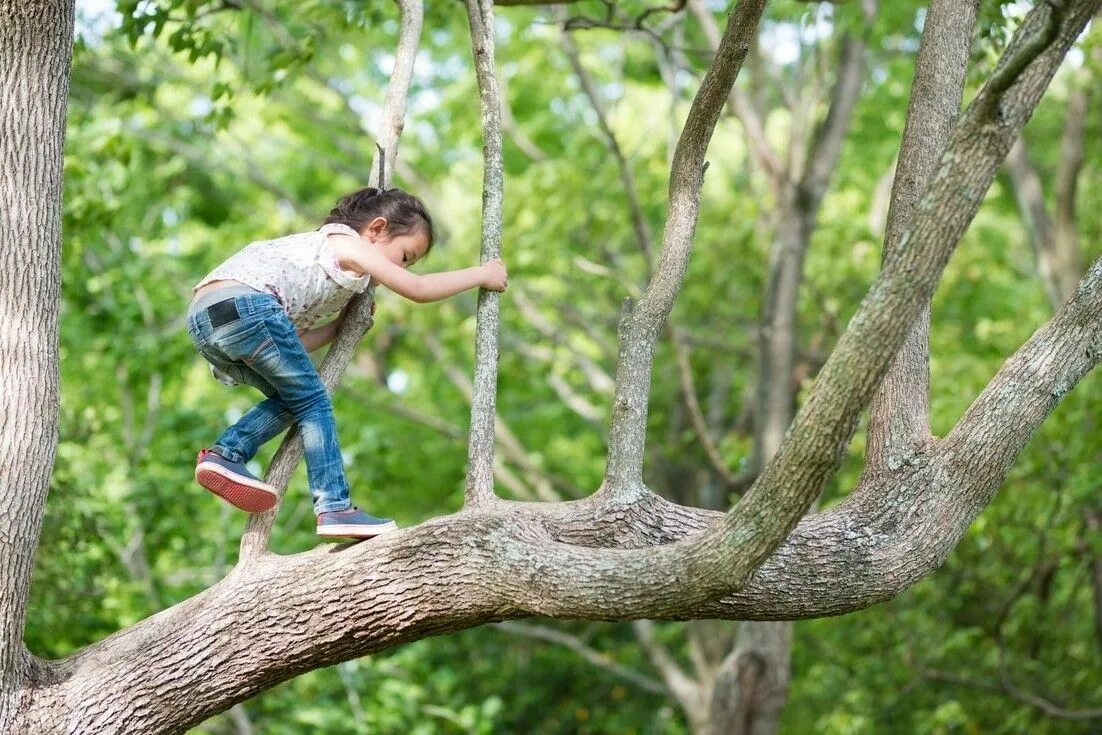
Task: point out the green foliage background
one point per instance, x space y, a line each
197 127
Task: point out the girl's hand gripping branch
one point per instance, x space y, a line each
495 277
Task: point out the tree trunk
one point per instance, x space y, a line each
35 51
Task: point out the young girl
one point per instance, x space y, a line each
252 318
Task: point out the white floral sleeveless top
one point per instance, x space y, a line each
300 270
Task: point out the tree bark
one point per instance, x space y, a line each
35 52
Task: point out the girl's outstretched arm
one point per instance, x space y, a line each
367 259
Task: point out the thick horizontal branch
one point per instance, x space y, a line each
200 657
203 655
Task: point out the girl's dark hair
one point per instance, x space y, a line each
403 212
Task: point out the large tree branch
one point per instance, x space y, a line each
1030 384
883 538
358 318
899 425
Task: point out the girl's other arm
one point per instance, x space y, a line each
318 337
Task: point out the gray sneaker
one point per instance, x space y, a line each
232 482
353 523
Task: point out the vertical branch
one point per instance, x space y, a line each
480 454
645 241
900 423
358 318
641 324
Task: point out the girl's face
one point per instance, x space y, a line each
402 250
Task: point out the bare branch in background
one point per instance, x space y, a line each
679 683
1054 235
588 653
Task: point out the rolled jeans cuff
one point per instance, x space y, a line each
332 506
227 453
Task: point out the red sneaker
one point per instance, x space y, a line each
232 482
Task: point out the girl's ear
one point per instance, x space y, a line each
376 229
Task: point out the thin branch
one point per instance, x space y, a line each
643 237
684 687
696 417
1047 707
480 456
358 319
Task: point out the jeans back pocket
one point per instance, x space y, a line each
241 340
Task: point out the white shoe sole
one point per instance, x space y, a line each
352 530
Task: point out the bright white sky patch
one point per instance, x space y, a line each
94 18
397 381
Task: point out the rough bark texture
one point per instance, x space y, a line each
35 50
899 426
480 455
622 554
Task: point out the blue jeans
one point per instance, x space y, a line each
262 348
